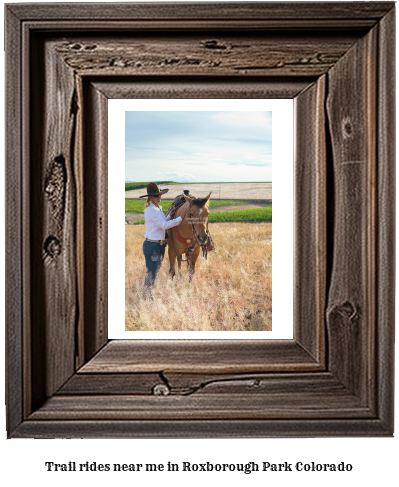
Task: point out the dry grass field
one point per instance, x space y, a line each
231 291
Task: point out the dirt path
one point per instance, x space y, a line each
221 191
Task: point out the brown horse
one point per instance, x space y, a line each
194 213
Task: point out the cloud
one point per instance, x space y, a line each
264 164
246 119
177 176
194 145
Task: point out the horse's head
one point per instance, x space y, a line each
199 216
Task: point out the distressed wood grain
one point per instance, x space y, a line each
336 13
194 87
310 241
244 54
201 356
130 384
351 305
16 244
53 218
385 200
315 396
185 384
95 228
191 428
335 376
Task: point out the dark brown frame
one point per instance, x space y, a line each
64 378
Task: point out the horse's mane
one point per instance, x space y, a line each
201 202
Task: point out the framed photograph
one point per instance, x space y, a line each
236 151
65 377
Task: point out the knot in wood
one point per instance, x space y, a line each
161 390
90 47
347 128
50 188
213 44
52 247
54 189
346 310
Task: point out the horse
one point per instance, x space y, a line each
181 240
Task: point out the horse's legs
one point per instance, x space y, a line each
172 260
179 267
192 262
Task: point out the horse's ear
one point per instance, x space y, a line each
207 198
188 199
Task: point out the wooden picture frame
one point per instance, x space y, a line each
64 377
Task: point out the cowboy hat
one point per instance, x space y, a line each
153 190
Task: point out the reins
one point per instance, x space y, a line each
189 252
203 246
191 248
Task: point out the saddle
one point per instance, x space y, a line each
179 201
172 210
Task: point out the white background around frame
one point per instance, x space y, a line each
282 160
374 460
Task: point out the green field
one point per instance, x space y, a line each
253 215
226 182
138 206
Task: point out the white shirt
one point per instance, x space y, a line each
156 222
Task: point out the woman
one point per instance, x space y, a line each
154 243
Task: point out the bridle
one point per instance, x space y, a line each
191 248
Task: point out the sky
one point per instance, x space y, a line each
198 146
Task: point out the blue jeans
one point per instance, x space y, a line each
154 254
